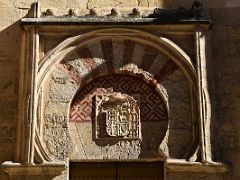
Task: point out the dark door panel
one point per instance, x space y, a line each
140 171
116 171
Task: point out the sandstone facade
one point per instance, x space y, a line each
57 89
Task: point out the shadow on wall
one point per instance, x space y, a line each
9 77
9 69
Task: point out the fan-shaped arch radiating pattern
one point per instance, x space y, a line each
107 56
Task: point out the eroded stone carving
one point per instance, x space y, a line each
117 116
57 138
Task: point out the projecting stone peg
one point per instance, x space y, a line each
115 12
136 12
72 12
50 12
93 12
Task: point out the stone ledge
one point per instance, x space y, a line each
14 169
195 167
66 21
172 165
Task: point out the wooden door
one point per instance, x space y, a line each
116 171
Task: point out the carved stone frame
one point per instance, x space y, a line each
31 74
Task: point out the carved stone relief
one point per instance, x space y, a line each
58 141
55 133
117 116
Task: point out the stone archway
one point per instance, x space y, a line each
91 59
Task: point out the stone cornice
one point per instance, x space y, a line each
66 21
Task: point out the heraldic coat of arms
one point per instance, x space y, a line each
117 116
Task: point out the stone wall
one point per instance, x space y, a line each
224 71
225 54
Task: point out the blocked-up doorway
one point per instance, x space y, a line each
116 170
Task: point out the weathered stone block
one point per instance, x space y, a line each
53 3
9 17
127 3
77 4
143 3
8 68
232 3
8 106
101 3
180 3
9 55
7 151
8 118
7 134
23 4
7 87
6 4
195 176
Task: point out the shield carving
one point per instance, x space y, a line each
117 123
117 116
